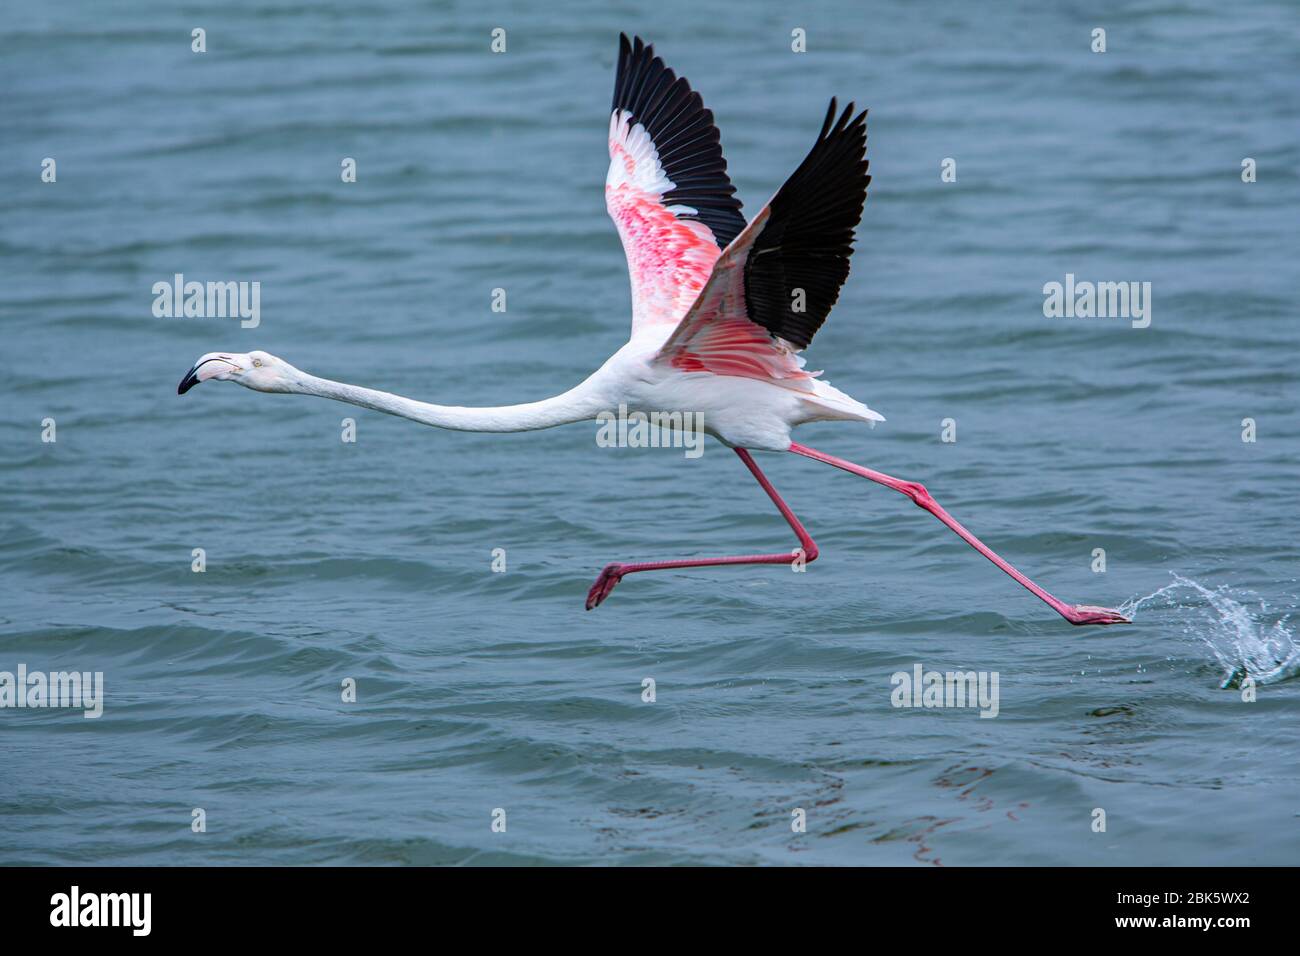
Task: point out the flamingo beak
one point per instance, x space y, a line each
199 374
188 382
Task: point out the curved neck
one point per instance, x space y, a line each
579 403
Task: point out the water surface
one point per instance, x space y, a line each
478 690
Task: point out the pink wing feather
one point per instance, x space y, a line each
667 189
717 335
773 287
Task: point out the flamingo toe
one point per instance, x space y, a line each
1088 614
608 579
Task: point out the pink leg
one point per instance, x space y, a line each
613 573
1074 613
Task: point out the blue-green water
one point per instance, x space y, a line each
372 560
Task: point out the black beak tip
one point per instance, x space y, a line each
187 383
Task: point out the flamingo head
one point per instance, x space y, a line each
260 371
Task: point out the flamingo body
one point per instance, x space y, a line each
740 411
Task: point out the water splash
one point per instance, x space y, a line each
1241 637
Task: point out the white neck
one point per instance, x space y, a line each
580 403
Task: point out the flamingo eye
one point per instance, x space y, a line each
257 363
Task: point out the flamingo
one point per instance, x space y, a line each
721 308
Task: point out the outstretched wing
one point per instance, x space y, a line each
773 287
667 189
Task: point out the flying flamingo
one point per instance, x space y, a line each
720 307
